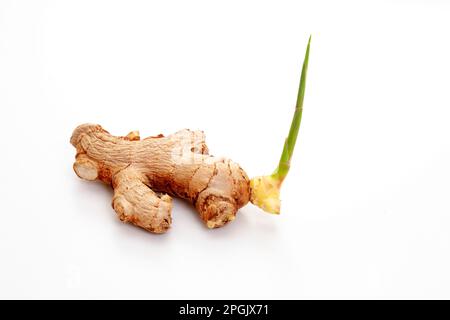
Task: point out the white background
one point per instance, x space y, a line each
365 208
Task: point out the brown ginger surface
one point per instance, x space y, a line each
176 165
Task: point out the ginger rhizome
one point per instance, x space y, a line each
178 165
146 173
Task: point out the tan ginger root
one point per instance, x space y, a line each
178 165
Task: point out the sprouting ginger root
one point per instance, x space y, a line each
176 165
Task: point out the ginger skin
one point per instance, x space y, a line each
176 165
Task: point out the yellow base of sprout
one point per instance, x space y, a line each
265 193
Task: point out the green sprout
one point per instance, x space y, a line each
265 190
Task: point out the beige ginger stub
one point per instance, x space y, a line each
176 165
